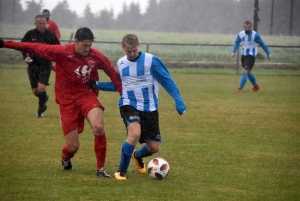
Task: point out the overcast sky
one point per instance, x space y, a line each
96 5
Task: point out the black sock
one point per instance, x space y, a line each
42 99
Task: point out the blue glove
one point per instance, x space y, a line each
180 107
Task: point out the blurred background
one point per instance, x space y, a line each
274 17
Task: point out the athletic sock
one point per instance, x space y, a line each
127 150
142 152
252 79
243 80
100 150
65 154
42 99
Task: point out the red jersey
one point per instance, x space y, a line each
73 70
52 27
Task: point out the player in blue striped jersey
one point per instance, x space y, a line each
140 73
249 38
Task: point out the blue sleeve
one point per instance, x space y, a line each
106 86
262 44
236 44
162 75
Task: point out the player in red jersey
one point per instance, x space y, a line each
51 25
77 63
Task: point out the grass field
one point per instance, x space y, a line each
221 54
227 146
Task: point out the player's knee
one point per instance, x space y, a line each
153 149
73 147
98 129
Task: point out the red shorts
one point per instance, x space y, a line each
72 115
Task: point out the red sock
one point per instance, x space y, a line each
65 154
100 150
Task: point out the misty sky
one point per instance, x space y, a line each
95 5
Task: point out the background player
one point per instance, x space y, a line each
51 25
249 38
39 69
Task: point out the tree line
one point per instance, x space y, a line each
277 17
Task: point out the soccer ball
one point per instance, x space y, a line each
158 168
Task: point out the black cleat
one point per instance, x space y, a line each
39 115
101 173
66 164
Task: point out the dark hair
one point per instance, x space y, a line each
46 11
130 39
248 22
84 33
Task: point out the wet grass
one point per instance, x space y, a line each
227 146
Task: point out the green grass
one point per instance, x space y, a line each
227 146
221 54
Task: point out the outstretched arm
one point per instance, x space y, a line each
161 74
103 86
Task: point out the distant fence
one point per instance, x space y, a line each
148 44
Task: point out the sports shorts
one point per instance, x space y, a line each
148 121
72 115
248 62
39 74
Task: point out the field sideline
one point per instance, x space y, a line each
227 146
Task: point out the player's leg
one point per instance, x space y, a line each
70 148
131 120
92 110
251 76
44 75
244 76
151 136
95 118
33 75
72 125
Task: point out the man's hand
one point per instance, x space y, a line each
1 43
93 84
232 54
180 107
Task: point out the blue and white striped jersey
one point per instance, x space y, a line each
139 88
249 41
141 79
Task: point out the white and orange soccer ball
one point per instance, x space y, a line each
158 168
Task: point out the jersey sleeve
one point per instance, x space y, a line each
262 44
111 72
236 44
37 49
162 75
106 86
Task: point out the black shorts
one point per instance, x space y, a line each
39 74
248 62
148 121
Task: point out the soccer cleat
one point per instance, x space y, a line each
66 164
139 163
256 88
239 90
101 173
120 176
39 115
